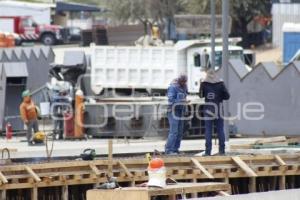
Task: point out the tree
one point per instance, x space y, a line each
242 12
145 11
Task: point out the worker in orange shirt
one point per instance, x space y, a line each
29 115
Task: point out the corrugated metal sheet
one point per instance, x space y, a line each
283 13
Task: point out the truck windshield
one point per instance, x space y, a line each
236 54
27 22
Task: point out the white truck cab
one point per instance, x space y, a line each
199 59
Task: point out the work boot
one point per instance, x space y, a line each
172 153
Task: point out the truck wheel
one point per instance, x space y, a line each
48 39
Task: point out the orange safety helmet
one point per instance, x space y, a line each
156 163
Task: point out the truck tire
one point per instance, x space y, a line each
48 39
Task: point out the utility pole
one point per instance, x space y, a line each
225 56
213 31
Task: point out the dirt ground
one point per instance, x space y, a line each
268 54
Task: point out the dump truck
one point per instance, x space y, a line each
153 68
29 30
129 85
125 86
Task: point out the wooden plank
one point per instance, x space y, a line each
282 182
145 193
123 166
252 184
3 178
271 140
279 160
3 194
244 166
94 169
34 193
110 157
195 194
241 146
197 163
222 193
33 174
65 192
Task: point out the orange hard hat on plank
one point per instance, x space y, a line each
156 163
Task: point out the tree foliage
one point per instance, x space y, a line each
145 11
241 11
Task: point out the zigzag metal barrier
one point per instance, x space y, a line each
24 53
272 91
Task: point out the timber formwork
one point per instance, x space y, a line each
245 173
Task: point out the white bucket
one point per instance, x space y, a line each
45 108
157 177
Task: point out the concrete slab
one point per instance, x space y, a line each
274 195
75 148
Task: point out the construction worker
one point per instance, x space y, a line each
155 31
214 92
29 115
177 93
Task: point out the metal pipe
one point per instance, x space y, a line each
225 56
213 31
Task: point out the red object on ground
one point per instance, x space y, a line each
8 131
156 163
69 125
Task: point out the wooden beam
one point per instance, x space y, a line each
3 178
33 174
282 182
3 194
110 157
34 193
123 166
252 184
65 192
195 194
222 193
271 140
241 146
244 166
94 169
197 163
279 160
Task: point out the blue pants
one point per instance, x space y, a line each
175 132
219 123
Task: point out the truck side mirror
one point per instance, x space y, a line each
34 24
207 61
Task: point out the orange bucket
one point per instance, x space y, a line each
2 40
10 40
